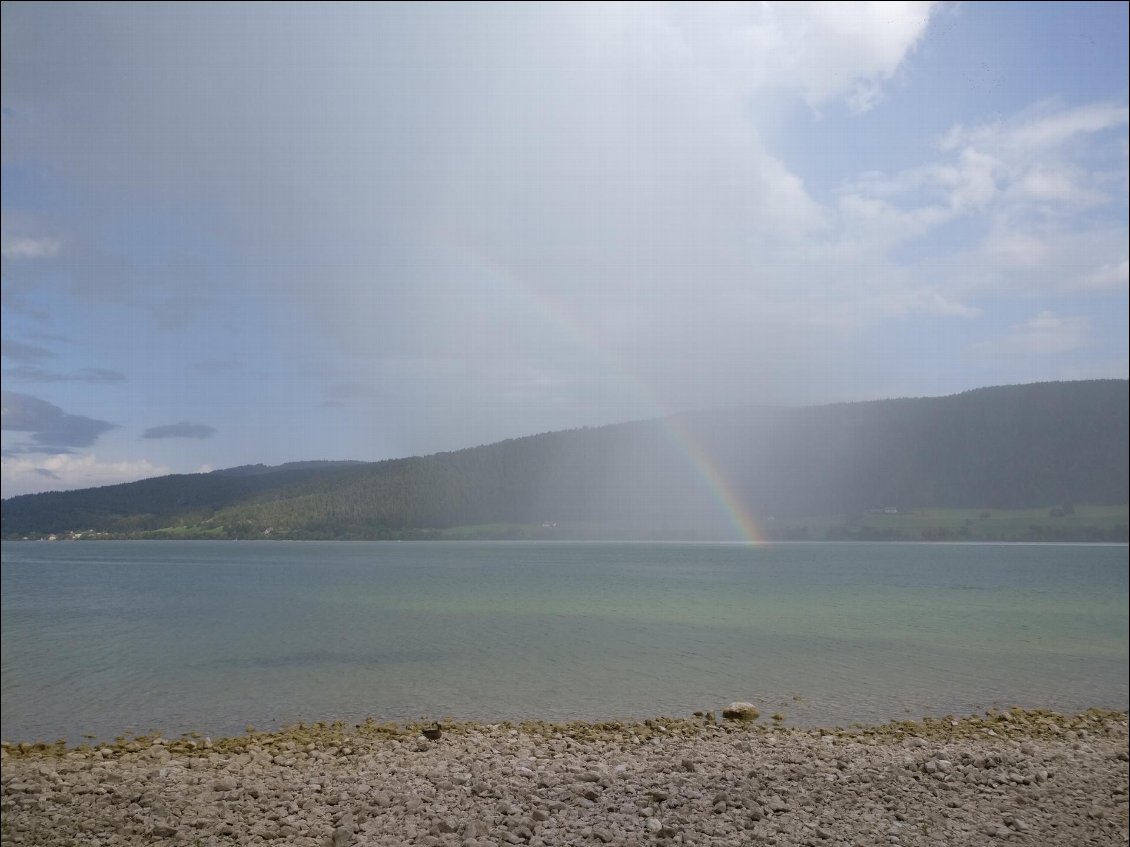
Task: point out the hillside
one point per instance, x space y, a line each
1007 448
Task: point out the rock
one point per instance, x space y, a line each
700 785
741 711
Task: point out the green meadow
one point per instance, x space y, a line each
1051 523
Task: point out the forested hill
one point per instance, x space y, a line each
1042 445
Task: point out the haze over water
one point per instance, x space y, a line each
128 637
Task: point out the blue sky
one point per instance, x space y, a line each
277 232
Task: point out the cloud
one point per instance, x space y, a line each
823 50
1011 167
1046 126
491 182
23 247
18 352
341 394
52 430
510 218
1022 188
29 370
218 366
180 430
1107 276
24 474
1045 159
29 373
1059 184
1045 334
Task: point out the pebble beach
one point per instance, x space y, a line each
1023 777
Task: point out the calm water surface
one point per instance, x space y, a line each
105 638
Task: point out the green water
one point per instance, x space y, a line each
105 638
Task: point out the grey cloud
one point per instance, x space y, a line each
172 290
183 429
449 186
18 352
341 394
217 366
28 373
545 214
52 430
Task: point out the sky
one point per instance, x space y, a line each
261 233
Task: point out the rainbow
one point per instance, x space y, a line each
687 444
716 482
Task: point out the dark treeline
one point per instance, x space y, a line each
1007 448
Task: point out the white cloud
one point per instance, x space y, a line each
1045 126
1043 159
28 474
1060 184
1021 186
24 247
973 183
1106 276
1016 249
1001 168
826 51
1036 261
873 223
930 302
1045 334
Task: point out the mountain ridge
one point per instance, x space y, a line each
689 475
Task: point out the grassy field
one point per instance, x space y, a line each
1051 523
1086 523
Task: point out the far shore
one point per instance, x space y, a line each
1073 524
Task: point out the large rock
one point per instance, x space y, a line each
740 711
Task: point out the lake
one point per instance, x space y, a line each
110 638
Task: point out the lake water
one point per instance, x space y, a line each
109 638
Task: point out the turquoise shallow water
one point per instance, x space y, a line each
105 638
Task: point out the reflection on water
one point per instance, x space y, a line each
114 637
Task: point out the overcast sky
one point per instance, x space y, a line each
274 232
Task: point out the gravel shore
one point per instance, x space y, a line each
1025 777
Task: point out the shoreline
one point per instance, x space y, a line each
994 722
1031 776
892 541
337 729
